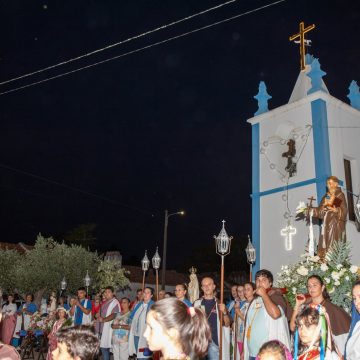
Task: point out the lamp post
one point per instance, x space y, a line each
222 243
166 222
63 285
250 255
156 265
145 263
87 282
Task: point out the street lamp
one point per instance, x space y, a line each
250 255
145 263
63 285
87 281
166 222
222 243
156 265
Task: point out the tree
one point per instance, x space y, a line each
82 235
9 262
110 273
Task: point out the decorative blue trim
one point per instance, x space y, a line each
321 145
283 188
262 97
255 189
316 74
354 95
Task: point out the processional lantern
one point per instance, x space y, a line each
145 263
250 255
223 244
156 265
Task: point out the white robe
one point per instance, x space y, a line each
142 341
106 335
353 344
278 329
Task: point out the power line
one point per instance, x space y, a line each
84 192
118 43
142 48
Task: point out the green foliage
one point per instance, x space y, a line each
9 261
110 273
82 235
41 269
336 271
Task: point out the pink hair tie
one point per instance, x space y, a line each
191 311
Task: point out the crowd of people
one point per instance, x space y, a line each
257 323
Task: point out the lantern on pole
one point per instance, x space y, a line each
223 244
250 255
145 263
63 285
87 281
156 265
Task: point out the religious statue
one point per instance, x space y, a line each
332 210
193 286
291 165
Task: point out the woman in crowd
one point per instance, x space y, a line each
313 339
121 327
241 308
177 331
353 342
181 294
339 319
63 303
274 350
61 316
9 320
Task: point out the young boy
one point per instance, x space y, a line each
76 343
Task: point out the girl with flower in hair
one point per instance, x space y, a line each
313 339
178 331
318 295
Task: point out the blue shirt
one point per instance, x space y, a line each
79 313
211 314
31 307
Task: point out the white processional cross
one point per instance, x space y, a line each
288 233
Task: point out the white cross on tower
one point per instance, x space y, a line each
288 233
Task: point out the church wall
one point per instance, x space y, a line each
273 253
344 135
279 126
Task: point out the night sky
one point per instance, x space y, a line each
164 128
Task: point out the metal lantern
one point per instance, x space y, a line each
156 260
87 279
223 241
145 262
63 284
250 252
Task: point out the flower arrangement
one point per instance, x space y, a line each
336 271
40 323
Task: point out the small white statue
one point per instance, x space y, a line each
193 286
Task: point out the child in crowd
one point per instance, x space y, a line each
177 331
274 350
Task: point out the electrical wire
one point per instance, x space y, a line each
84 192
142 48
117 43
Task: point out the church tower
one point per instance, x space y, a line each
295 147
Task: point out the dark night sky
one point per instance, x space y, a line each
163 128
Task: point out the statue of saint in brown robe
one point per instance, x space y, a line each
333 212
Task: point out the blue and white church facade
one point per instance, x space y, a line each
295 147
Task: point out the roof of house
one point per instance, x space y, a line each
172 276
20 247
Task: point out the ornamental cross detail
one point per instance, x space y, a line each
302 41
288 232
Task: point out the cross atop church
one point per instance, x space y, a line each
302 41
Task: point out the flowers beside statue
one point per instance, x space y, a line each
336 269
